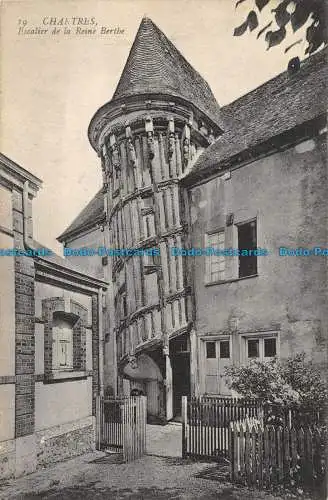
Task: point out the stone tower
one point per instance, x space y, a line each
161 117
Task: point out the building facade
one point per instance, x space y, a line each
181 172
50 340
147 140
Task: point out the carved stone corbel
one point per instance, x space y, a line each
131 149
149 127
186 145
132 359
171 139
114 152
106 160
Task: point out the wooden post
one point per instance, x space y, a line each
193 364
169 388
97 422
231 455
184 425
143 422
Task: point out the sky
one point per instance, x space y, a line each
52 84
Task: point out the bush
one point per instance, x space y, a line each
294 382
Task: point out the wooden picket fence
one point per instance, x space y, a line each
121 425
265 456
134 427
206 421
109 426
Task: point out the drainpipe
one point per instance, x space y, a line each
25 217
101 342
27 244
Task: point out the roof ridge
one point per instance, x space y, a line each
163 38
76 223
304 63
255 120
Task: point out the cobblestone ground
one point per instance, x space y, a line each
164 441
99 476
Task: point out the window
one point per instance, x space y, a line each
65 337
210 350
150 289
224 349
215 263
253 350
124 305
270 348
62 352
149 225
247 240
261 348
147 212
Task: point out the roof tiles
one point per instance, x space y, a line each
277 106
155 66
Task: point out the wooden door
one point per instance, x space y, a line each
217 358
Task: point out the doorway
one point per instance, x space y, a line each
180 359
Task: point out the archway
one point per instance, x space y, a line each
144 374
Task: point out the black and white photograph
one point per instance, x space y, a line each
163 250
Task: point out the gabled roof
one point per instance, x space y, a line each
19 175
279 105
156 66
91 214
62 267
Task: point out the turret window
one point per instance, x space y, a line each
150 289
148 218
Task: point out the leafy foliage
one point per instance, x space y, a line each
294 381
288 12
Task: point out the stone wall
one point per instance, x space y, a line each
65 441
286 193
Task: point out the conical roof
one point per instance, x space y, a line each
155 66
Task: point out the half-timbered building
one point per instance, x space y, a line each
181 172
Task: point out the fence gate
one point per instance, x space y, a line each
206 423
121 425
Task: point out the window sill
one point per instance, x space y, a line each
232 280
64 375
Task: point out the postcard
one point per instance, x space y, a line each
163 249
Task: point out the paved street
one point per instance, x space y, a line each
98 476
164 440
